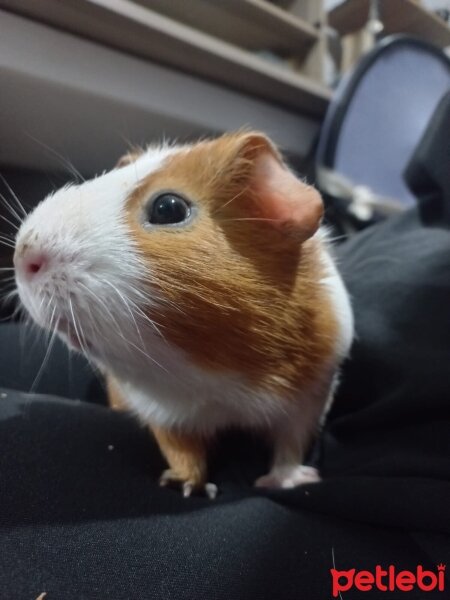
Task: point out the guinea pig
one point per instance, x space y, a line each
199 280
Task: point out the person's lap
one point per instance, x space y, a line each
82 515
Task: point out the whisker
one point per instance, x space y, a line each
105 307
120 332
146 355
250 219
11 210
235 197
131 312
153 298
337 238
10 278
7 292
103 304
13 225
137 328
7 299
49 326
14 195
44 362
93 324
152 323
82 344
70 166
7 243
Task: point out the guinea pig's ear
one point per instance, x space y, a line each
128 158
277 194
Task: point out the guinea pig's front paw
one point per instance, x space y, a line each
170 478
288 476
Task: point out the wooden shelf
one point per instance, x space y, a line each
134 29
249 24
398 16
87 102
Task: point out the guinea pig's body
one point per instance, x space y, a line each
198 280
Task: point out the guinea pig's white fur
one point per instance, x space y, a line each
89 291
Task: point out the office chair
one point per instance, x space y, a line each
379 113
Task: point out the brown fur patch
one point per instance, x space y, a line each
184 453
244 296
129 157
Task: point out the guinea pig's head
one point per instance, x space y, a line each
198 246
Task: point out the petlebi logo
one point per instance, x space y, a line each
388 579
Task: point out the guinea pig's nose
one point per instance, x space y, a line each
29 262
34 264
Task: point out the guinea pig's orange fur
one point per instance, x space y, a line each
115 398
185 453
260 310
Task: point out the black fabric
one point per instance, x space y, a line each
28 362
82 516
428 172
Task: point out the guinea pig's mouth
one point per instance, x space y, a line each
77 340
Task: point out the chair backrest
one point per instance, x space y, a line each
379 113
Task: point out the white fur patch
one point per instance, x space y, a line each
82 228
288 476
340 300
181 394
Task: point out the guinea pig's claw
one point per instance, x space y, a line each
189 487
209 489
166 478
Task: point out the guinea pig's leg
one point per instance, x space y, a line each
287 471
115 398
294 434
186 455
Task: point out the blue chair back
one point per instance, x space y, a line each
379 113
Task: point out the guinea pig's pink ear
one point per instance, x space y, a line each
128 158
278 196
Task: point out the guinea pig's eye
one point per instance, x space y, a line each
168 209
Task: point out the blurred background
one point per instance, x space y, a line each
348 89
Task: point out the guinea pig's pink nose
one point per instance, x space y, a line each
34 264
30 262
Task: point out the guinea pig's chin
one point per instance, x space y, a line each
90 313
31 304
42 305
